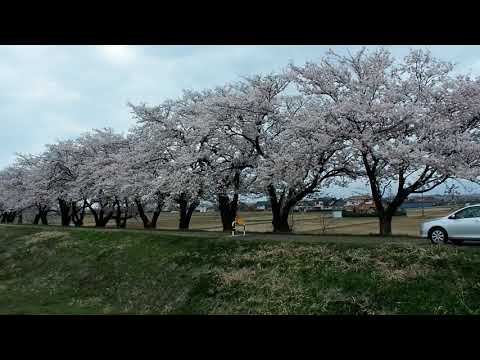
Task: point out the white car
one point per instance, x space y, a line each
460 225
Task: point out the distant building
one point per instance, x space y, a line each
358 200
321 204
359 203
303 205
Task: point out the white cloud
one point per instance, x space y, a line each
50 91
118 54
470 68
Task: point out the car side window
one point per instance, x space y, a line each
468 213
475 211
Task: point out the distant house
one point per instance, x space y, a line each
358 200
321 204
326 203
304 205
359 203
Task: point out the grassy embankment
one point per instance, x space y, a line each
90 271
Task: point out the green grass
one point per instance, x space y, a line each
50 270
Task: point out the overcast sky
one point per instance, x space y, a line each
56 92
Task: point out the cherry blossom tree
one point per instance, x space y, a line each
178 146
23 186
405 120
155 149
60 166
11 190
245 115
307 156
285 144
97 165
35 187
231 159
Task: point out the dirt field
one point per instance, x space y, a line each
306 223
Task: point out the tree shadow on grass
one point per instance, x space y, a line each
471 243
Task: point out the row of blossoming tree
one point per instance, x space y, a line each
404 126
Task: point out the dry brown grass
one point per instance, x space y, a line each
243 275
306 223
45 236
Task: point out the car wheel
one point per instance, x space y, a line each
438 236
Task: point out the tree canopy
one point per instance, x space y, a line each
403 125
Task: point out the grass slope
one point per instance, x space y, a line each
50 270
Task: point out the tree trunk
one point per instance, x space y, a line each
183 225
186 212
155 216
65 213
228 210
385 222
103 218
118 215
77 216
20 218
94 213
147 223
281 209
122 217
11 217
280 218
4 218
41 215
121 222
281 206
43 218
